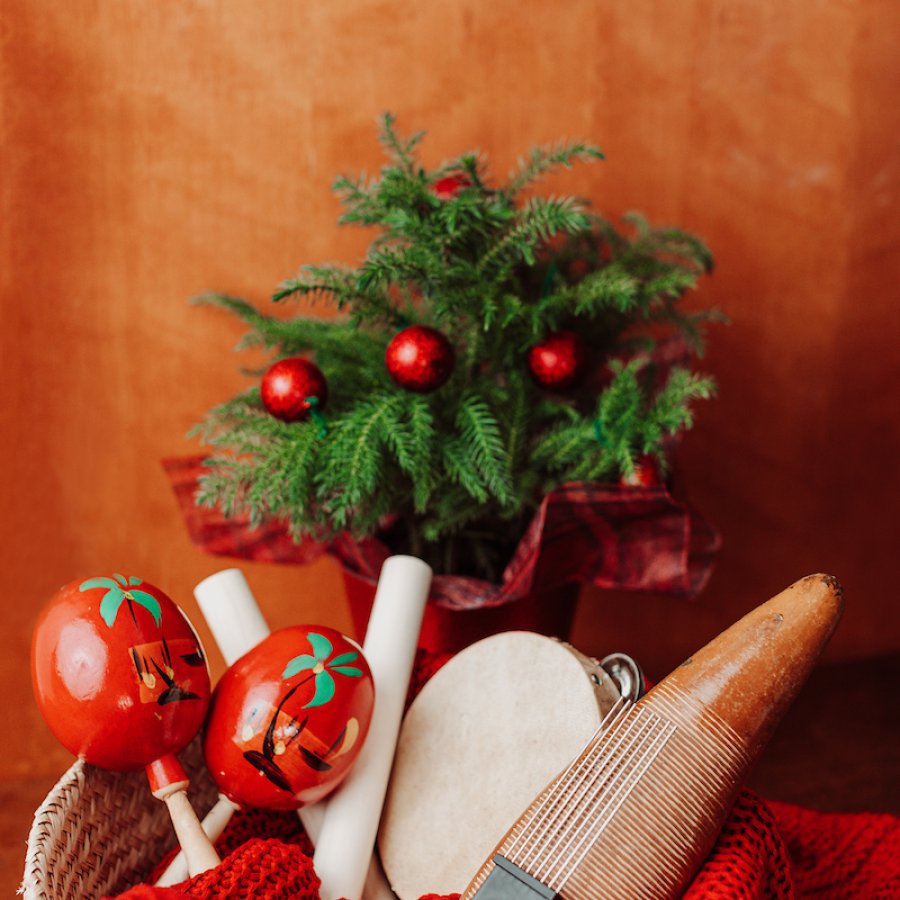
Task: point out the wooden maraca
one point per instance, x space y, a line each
288 719
238 625
121 678
345 840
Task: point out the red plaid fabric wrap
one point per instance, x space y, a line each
210 530
611 536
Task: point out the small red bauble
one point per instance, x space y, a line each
118 672
646 474
447 188
289 384
419 359
558 361
289 718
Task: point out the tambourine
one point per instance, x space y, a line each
483 737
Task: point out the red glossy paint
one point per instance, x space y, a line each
287 387
274 737
165 775
118 672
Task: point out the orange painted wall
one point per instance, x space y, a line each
152 150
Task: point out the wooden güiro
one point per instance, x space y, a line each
122 680
638 810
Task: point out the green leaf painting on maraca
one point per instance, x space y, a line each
122 590
320 664
156 675
280 735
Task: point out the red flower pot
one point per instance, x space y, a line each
448 630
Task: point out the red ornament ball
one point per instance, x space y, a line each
419 359
289 384
646 474
558 362
118 672
289 718
447 188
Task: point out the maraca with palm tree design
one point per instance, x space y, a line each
121 678
288 718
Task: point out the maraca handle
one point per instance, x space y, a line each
214 823
168 782
196 846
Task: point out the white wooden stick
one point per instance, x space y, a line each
376 886
232 613
213 824
345 846
199 853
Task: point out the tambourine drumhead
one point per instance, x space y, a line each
481 740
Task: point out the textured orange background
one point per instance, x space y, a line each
152 150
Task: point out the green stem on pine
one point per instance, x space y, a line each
317 416
450 555
473 352
549 277
415 539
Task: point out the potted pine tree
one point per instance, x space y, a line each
499 394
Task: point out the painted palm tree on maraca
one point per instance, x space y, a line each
295 710
319 667
125 692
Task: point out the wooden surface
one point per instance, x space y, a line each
150 151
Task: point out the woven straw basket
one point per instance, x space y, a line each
98 832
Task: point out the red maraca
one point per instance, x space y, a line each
238 627
288 719
121 679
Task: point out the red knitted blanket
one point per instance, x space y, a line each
767 851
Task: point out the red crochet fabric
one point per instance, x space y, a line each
765 852
258 868
749 860
839 855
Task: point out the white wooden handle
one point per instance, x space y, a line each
198 851
213 824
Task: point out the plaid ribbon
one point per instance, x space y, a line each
219 535
611 536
